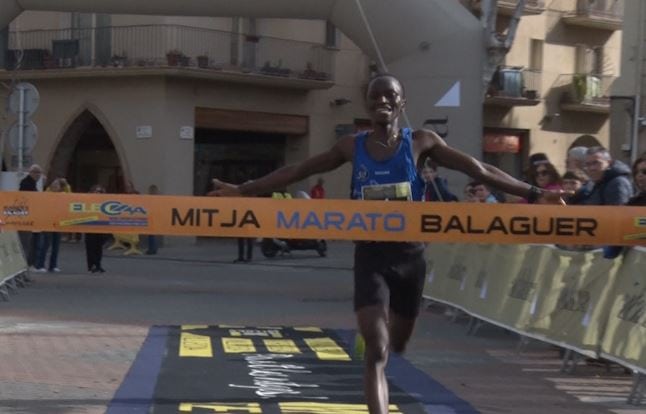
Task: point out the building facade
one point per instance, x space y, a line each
554 89
175 101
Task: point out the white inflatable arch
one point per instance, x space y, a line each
434 46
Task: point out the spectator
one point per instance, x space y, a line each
611 186
639 177
546 176
610 178
575 159
31 241
572 182
534 161
51 239
153 241
542 174
94 243
482 193
245 246
470 194
318 191
435 187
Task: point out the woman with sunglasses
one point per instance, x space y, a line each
543 174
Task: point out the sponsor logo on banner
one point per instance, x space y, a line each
16 213
109 213
640 223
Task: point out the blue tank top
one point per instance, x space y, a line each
394 178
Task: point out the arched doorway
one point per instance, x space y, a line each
87 156
586 141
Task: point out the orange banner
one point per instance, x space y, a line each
323 219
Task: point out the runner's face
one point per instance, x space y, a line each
385 100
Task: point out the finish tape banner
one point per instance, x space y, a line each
323 219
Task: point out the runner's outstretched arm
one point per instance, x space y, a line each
430 144
280 178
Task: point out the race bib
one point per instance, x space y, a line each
394 191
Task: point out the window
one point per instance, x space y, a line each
536 55
331 36
589 60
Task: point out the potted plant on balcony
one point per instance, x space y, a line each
173 57
203 61
580 86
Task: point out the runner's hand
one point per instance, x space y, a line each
222 189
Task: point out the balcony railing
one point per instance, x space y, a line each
514 86
507 7
162 46
602 14
585 92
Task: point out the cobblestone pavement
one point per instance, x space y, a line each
68 340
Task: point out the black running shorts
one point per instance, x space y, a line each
389 273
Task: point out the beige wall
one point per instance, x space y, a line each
166 104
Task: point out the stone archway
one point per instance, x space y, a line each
586 141
86 155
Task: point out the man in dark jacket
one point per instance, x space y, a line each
31 242
30 182
611 186
610 178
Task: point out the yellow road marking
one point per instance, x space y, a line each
238 345
281 346
252 408
327 350
329 408
308 329
189 327
191 345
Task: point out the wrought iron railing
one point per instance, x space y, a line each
516 82
586 89
529 4
169 45
603 9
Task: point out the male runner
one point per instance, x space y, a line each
388 276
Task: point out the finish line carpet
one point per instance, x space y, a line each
266 370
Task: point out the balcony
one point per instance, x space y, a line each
169 50
514 86
597 14
507 7
585 92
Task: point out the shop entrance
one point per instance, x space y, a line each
235 156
